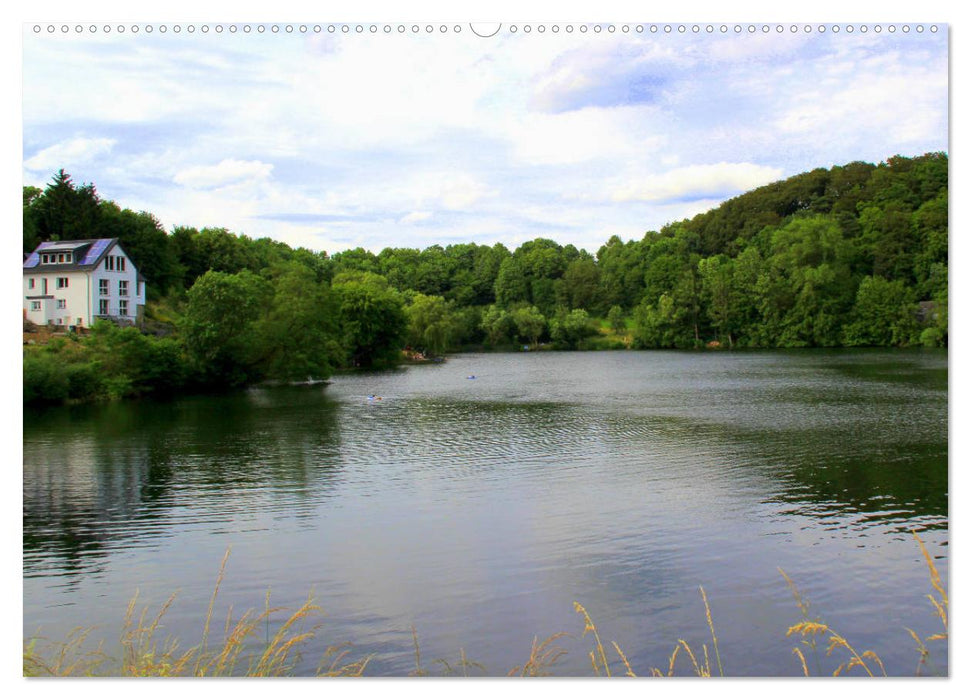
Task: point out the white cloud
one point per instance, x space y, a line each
462 192
69 154
873 101
618 72
414 217
227 172
697 182
359 138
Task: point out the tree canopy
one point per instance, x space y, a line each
852 255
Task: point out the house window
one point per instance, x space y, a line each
60 257
62 282
103 288
62 303
60 321
103 307
35 306
30 283
123 307
45 258
110 262
121 263
123 288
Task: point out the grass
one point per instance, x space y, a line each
241 649
237 654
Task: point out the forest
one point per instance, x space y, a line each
851 256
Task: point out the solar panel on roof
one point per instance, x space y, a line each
95 250
32 261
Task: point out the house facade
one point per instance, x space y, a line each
74 283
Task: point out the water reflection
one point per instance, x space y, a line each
479 511
97 477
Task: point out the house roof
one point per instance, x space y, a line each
87 254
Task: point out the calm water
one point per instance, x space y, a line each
478 510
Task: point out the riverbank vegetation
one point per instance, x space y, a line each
854 255
247 647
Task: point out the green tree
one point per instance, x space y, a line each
31 237
582 282
297 335
511 286
808 289
372 320
621 268
497 325
530 323
666 260
135 364
884 314
930 224
45 378
431 323
570 329
356 260
220 326
617 320
717 283
888 240
220 250
65 211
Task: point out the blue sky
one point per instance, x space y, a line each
332 141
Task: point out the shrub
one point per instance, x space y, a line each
45 379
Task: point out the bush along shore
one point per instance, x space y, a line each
246 647
851 256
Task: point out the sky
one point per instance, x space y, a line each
333 140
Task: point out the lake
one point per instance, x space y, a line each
476 511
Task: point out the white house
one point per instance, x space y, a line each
72 283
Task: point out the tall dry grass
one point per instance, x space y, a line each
812 628
240 650
239 653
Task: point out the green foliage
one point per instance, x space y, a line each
616 320
581 282
570 329
720 295
856 254
373 324
530 324
296 335
511 286
432 325
884 314
661 325
63 211
130 363
498 326
932 337
220 328
45 378
110 363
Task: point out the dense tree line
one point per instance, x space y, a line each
855 255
